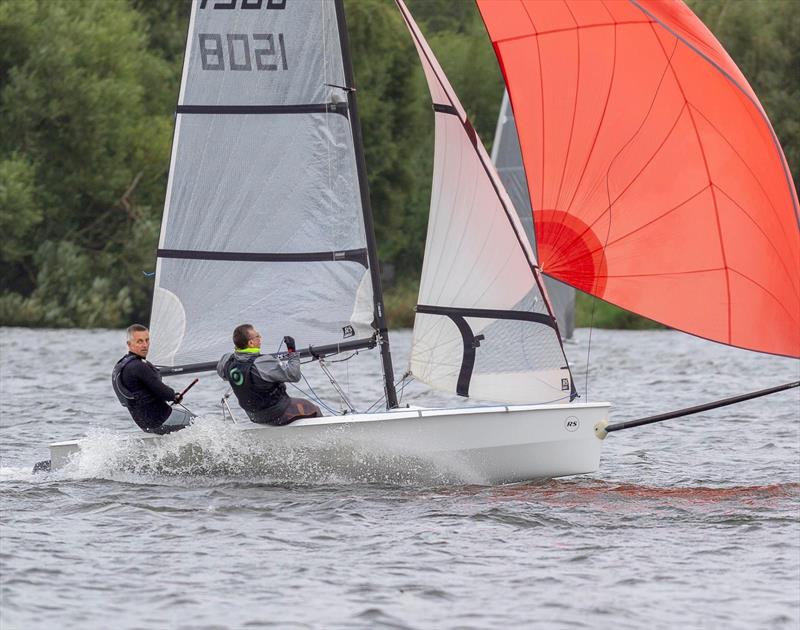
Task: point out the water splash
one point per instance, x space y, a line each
216 448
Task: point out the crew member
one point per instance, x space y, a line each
137 384
258 380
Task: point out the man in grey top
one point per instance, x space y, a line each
258 380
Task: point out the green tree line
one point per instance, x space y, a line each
87 95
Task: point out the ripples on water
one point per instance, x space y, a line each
692 523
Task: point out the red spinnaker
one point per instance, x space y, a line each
656 180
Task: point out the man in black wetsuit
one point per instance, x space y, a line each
137 384
258 380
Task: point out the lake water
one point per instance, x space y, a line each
692 523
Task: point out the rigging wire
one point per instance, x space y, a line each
589 350
316 397
403 382
313 395
335 385
383 398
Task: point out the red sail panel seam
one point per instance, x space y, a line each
716 215
567 246
605 8
574 106
688 272
557 31
542 136
636 176
566 261
599 125
792 316
755 102
708 176
758 227
750 170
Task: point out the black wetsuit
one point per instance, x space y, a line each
142 379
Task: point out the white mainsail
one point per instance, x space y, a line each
263 219
483 326
507 159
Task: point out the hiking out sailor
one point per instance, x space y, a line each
258 380
137 384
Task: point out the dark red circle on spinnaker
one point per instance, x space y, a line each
569 250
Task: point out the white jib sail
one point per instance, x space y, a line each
263 220
507 159
483 327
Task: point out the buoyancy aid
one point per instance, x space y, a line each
128 398
256 396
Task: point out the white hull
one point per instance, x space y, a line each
484 445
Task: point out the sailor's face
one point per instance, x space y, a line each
254 339
140 343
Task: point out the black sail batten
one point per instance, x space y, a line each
369 227
487 313
313 108
471 340
350 255
310 352
445 109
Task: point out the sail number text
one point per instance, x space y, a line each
268 51
245 4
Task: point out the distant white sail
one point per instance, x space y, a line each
507 159
483 327
263 218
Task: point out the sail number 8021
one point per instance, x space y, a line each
266 55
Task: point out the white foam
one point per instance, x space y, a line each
13 473
214 447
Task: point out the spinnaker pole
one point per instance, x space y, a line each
602 429
366 206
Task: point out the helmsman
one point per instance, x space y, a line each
137 384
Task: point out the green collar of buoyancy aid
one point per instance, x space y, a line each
248 350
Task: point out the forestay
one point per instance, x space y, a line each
263 220
483 327
507 159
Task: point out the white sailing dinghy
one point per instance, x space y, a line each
268 218
656 181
